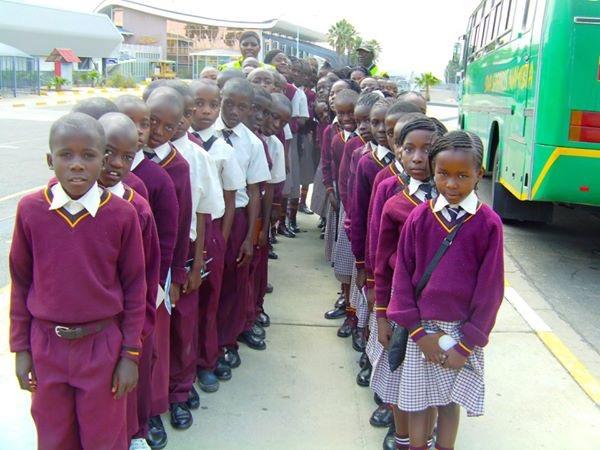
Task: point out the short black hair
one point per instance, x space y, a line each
403 107
170 94
271 54
368 99
282 100
459 140
347 95
384 103
197 84
152 86
123 101
352 85
227 75
260 91
118 120
95 107
360 69
77 121
249 34
240 86
419 123
181 86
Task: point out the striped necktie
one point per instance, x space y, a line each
427 189
227 134
149 155
453 212
387 159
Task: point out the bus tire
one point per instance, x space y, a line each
508 207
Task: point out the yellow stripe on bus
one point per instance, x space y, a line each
512 190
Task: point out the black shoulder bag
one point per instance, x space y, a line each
397 347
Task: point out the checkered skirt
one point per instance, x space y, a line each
358 301
424 384
384 382
343 259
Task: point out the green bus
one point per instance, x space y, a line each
530 88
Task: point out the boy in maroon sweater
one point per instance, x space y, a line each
121 147
77 302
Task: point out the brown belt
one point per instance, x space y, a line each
80 331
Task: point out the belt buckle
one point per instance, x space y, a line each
59 329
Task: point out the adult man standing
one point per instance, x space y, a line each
366 57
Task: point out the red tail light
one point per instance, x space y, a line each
585 126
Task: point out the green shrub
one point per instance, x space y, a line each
57 83
120 81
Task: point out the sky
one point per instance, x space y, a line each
416 35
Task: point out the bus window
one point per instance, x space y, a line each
508 15
527 15
497 20
485 31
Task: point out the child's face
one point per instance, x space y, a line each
140 114
390 124
415 154
323 89
280 116
456 173
119 155
189 107
282 64
378 126
76 158
210 74
396 144
261 108
262 78
392 88
345 113
207 103
165 116
321 112
235 108
368 85
357 76
337 87
363 123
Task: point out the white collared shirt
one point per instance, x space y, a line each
300 104
381 152
346 135
118 189
90 201
278 158
137 159
413 188
287 132
250 154
160 152
207 195
468 205
399 166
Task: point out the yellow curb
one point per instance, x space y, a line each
569 361
60 93
18 105
103 90
41 103
62 102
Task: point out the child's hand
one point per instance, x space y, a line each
194 279
25 371
384 332
263 237
454 360
371 298
333 201
246 253
174 293
361 278
125 378
431 349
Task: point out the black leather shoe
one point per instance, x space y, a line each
322 236
305 209
263 319
285 231
252 341
377 399
157 435
359 339
193 401
389 441
273 239
258 331
181 417
223 371
273 255
382 417
269 289
336 313
340 301
364 376
346 329
232 357
208 381
363 360
321 223
293 227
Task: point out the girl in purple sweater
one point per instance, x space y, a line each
449 324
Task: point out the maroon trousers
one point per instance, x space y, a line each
258 284
139 401
231 316
73 406
184 342
160 369
209 293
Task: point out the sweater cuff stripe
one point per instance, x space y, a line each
463 349
418 333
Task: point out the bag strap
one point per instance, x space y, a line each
446 243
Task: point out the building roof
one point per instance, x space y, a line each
40 29
63 55
182 15
7 50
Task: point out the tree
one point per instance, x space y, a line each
451 70
427 80
342 36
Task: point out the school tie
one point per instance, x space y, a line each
227 135
197 136
453 212
427 189
387 159
149 155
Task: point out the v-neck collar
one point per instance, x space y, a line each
74 219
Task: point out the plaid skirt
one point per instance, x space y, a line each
343 258
384 382
318 199
424 384
330 226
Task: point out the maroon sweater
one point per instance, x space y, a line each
466 286
351 145
76 269
179 171
163 202
135 183
394 214
327 166
151 255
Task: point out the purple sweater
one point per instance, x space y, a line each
179 171
151 255
388 186
163 202
326 158
367 169
468 283
135 183
351 145
76 269
394 214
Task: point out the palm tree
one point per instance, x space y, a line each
427 80
341 37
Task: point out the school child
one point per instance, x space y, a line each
236 101
121 147
249 65
207 198
262 77
209 73
227 75
207 102
460 301
76 328
416 98
318 200
369 85
358 74
415 140
309 156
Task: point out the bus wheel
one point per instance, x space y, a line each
509 207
